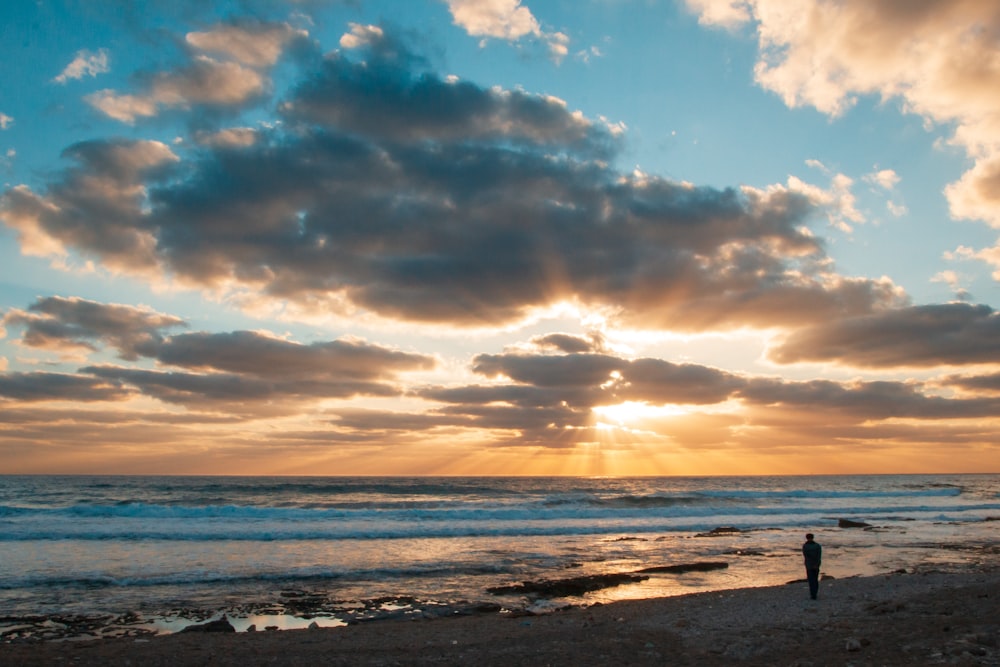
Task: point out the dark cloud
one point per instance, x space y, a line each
96 207
237 393
590 370
255 354
548 395
223 70
918 336
42 386
609 379
239 368
58 322
528 423
380 421
395 191
570 343
658 382
387 92
520 395
248 370
97 418
987 383
862 401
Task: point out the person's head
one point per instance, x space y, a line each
809 537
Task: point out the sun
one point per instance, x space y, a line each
633 412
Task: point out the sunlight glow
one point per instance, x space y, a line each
633 411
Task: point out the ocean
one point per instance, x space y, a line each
161 552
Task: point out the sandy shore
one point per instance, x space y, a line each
921 618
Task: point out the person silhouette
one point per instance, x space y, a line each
812 554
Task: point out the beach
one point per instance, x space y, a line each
112 570
906 618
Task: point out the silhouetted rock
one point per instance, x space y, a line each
721 530
702 566
567 587
847 523
218 625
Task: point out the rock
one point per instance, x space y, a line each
252 628
567 587
702 566
745 552
721 530
314 625
847 523
852 644
218 625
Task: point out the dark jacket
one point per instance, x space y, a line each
812 552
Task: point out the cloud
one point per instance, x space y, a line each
126 108
390 96
555 400
238 371
570 343
208 81
611 379
977 194
252 353
361 36
838 201
913 337
204 82
39 386
505 19
988 384
73 323
232 80
953 281
935 57
99 206
239 366
726 13
391 193
253 44
896 210
988 255
856 402
5 121
233 137
886 179
549 398
247 371
86 63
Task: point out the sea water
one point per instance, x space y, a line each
154 545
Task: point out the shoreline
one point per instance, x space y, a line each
928 616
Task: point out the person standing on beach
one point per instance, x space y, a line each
812 553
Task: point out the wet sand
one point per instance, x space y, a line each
918 618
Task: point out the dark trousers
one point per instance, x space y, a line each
812 574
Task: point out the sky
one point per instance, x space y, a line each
499 237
